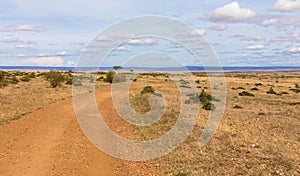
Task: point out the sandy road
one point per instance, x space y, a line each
50 142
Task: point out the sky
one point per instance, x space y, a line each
242 33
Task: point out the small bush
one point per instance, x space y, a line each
245 93
148 89
258 84
3 83
297 86
14 80
255 89
112 76
100 78
283 93
205 99
197 81
271 91
182 174
208 106
69 81
261 113
295 90
25 79
55 78
237 107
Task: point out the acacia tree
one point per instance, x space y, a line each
117 67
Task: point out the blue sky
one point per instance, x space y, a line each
242 33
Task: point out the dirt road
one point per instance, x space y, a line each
50 142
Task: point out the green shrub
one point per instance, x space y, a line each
297 86
245 93
55 78
148 89
69 81
295 90
271 91
3 83
237 107
283 93
182 174
25 79
112 76
208 106
14 80
258 84
205 99
197 81
100 78
294 103
255 89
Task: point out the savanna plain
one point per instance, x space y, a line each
258 134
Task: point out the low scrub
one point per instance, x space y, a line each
271 91
148 89
245 93
55 78
112 76
237 107
205 99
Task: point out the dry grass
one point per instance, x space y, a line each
261 138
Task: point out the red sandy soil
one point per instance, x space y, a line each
50 142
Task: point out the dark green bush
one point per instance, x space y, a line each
14 80
208 106
205 99
258 84
245 93
25 79
112 76
271 91
237 107
182 174
295 90
55 78
255 89
148 89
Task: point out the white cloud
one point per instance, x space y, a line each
283 21
34 28
256 47
200 32
44 61
62 53
286 5
71 63
20 55
25 27
269 22
11 40
220 27
142 42
295 50
232 12
21 46
288 37
43 54
120 48
257 38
